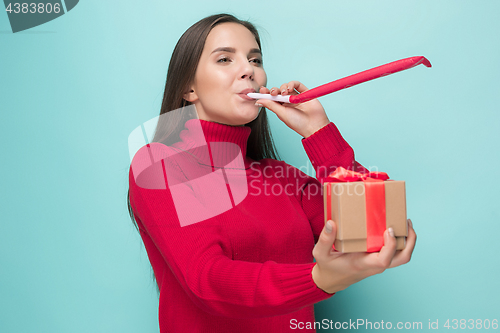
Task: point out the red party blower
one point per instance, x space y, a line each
349 81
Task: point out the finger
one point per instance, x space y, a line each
263 90
274 91
387 251
323 247
404 256
295 85
284 89
275 107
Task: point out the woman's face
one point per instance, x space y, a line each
230 67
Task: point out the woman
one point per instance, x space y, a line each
230 231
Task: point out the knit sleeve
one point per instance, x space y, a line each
327 150
198 254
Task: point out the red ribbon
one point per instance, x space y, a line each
375 202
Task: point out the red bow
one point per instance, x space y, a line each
343 175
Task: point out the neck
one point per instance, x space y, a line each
214 143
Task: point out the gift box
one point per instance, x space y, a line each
363 206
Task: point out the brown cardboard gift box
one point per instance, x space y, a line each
348 210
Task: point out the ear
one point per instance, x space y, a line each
191 95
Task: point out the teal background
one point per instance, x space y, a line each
73 89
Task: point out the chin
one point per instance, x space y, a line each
243 118
236 115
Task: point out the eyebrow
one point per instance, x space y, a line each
233 50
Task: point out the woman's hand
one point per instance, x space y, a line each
304 118
335 271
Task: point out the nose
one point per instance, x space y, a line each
247 71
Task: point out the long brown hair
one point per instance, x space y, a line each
180 75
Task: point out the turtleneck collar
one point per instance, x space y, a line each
215 144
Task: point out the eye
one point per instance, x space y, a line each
223 60
257 61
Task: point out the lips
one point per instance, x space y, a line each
243 94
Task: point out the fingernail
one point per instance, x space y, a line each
283 91
328 227
258 104
410 223
391 232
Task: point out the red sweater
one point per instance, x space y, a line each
230 239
